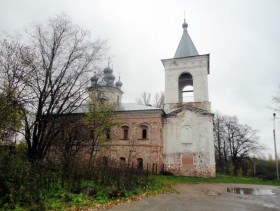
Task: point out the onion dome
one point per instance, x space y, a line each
119 84
94 80
185 25
108 70
111 77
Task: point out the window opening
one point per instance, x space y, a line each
144 133
122 161
186 91
187 94
76 134
140 163
108 134
125 132
104 161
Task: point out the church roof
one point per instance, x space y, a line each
172 111
197 110
122 107
186 47
135 107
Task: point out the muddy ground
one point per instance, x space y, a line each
207 197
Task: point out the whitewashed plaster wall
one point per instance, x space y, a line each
189 133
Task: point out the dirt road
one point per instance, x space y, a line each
208 197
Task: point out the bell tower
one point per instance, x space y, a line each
188 127
186 76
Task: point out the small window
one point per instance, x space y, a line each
108 134
140 163
144 132
122 160
76 134
125 132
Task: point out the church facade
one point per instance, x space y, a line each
179 136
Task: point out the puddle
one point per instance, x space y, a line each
251 191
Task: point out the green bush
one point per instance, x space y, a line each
24 184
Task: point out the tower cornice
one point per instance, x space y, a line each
190 61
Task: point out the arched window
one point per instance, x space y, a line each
144 132
125 130
186 92
140 163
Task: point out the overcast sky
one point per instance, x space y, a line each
242 37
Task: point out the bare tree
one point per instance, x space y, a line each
144 99
276 101
220 141
159 100
51 72
234 142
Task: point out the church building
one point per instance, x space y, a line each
179 136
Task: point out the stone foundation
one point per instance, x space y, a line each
190 164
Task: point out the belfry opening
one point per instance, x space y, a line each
186 92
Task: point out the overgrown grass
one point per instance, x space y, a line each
62 199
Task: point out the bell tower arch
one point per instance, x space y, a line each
185 84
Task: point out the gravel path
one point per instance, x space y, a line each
207 197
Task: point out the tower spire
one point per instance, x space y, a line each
186 47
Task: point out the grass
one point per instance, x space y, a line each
164 183
220 178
